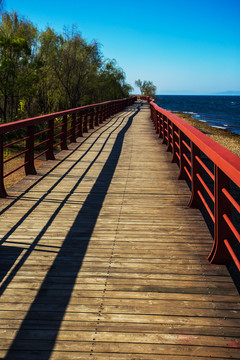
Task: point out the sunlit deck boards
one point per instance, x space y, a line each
102 259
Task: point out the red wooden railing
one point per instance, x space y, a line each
213 174
144 97
56 130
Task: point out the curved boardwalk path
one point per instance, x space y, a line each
101 259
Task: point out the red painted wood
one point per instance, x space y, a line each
77 125
227 169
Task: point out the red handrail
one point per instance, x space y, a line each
144 97
81 119
216 190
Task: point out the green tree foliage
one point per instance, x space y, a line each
146 87
43 72
111 84
18 65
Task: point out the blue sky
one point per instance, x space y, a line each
183 46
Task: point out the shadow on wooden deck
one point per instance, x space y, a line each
68 261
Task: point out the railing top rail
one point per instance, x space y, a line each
4 128
228 162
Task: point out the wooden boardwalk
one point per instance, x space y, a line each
101 259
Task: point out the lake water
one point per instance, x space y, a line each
218 111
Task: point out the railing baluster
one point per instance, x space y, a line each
3 192
64 134
182 161
104 112
50 140
91 119
174 141
29 155
100 114
196 185
73 128
226 170
79 125
96 116
85 121
164 141
169 148
219 253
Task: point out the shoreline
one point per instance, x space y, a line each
227 139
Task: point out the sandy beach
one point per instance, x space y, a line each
225 138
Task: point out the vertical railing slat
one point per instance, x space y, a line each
219 253
64 133
3 192
73 128
29 155
196 185
50 140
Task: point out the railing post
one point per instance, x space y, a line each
106 112
64 134
196 169
91 119
110 109
160 125
164 128
155 117
151 109
155 114
96 116
175 148
182 161
157 127
107 108
50 140
73 128
169 148
103 113
115 108
79 125
219 253
3 192
29 155
100 114
85 121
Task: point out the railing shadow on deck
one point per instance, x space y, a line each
213 175
59 162
64 260
8 255
42 135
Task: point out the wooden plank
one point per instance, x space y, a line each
101 258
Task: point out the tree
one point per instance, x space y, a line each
146 87
70 65
18 68
138 83
44 72
111 83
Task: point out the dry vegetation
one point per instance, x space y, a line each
18 175
225 138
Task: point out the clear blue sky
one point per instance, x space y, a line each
183 46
